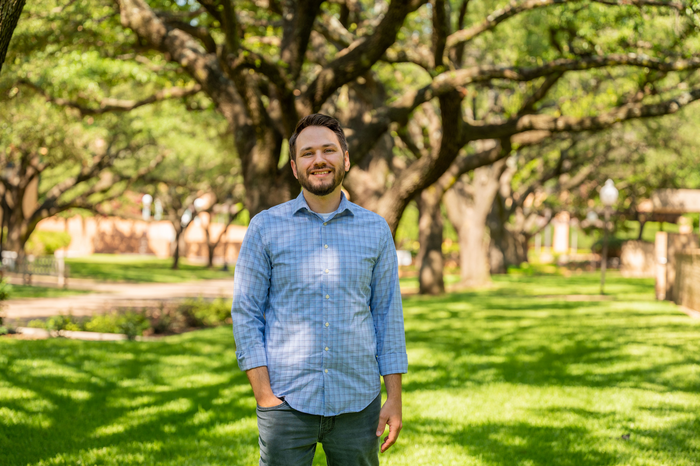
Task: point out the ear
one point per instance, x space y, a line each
347 160
294 168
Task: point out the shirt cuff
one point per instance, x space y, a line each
393 363
255 357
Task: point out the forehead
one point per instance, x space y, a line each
315 136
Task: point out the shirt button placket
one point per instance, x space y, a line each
326 307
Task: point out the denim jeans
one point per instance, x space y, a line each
289 437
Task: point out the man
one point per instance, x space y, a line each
317 314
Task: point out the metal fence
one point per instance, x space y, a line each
29 266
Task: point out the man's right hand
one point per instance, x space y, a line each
260 381
269 402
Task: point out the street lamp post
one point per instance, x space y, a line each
199 204
147 199
608 195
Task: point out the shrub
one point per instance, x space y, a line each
162 320
167 318
5 291
36 323
130 323
43 243
61 323
204 313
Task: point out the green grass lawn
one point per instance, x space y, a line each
132 268
26 291
528 372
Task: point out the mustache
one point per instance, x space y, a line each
323 167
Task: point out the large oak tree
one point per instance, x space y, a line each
266 64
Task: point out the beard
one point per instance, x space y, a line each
323 188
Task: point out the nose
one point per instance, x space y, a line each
319 160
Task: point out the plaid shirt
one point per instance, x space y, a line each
318 303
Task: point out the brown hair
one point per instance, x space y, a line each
317 119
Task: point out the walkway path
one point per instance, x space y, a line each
108 296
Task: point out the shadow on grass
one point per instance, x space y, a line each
518 443
504 335
112 403
182 400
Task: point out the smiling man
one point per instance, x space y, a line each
317 314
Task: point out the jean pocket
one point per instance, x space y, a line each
281 406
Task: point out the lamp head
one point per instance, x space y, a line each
608 193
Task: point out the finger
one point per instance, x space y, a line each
383 418
391 438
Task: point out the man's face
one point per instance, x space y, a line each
320 163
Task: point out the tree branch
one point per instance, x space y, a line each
251 60
298 18
198 32
334 31
359 57
450 80
212 7
539 94
418 55
466 163
494 19
182 48
441 28
230 27
552 124
116 105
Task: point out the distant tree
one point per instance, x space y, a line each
201 166
67 164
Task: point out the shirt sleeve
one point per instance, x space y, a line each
387 311
251 285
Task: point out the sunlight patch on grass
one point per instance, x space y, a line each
514 374
135 268
143 416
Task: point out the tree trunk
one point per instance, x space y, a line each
468 206
210 255
641 229
18 222
471 229
507 248
179 230
498 245
10 11
430 229
266 185
508 245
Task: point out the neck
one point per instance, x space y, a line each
323 204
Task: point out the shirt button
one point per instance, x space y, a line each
326 371
326 348
325 246
324 224
326 270
327 324
328 297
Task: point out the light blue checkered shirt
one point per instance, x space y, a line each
318 303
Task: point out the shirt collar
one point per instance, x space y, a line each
300 203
